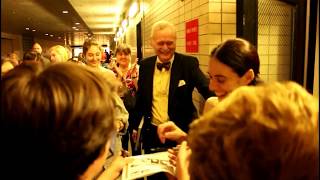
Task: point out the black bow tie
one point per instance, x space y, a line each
165 65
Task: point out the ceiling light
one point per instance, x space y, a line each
133 10
77 23
51 35
28 29
46 34
65 12
74 27
33 30
59 37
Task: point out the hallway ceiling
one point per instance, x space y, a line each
42 18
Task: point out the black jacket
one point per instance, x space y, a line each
181 109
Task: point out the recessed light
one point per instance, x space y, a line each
33 30
65 12
51 35
28 29
46 34
74 27
77 23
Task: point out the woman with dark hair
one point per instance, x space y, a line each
127 73
232 64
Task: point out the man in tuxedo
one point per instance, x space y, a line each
165 86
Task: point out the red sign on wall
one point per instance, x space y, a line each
192 41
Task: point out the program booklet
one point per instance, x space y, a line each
146 165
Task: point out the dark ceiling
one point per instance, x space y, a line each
41 17
44 18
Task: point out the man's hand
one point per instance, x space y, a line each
170 131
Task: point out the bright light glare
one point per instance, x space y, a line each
133 10
124 23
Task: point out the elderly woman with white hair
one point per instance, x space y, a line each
58 53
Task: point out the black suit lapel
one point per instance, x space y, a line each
174 77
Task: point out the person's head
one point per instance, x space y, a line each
14 58
258 132
123 55
233 63
31 56
92 52
58 53
163 40
37 48
57 120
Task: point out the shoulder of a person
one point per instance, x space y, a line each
186 59
212 100
147 60
136 67
107 71
184 56
7 64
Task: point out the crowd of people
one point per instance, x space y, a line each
75 120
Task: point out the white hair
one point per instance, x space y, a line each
160 25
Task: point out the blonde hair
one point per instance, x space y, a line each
62 51
263 132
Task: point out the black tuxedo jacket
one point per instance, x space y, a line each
181 109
